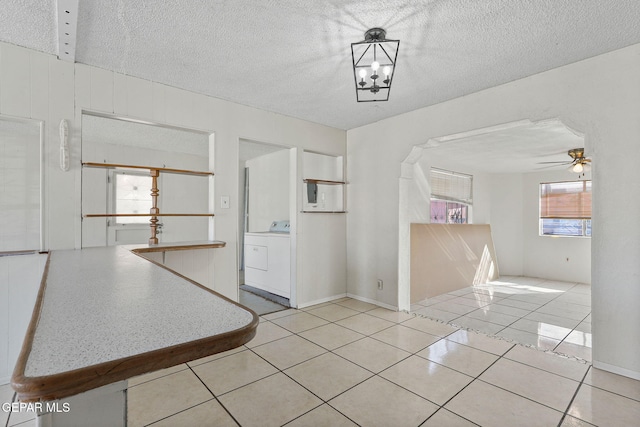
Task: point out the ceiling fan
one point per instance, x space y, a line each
578 163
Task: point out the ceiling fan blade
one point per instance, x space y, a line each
547 167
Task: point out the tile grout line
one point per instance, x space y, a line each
470 382
301 385
564 415
561 293
214 396
373 374
554 349
175 413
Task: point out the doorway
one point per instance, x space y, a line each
508 163
265 258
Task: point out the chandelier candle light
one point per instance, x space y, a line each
374 62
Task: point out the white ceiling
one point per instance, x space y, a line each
511 148
293 56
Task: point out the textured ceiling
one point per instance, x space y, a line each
516 148
293 57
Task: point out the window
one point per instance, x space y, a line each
451 197
565 208
131 194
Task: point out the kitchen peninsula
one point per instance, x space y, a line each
104 315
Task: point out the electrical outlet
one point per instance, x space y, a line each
224 202
380 284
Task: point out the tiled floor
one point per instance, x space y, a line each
548 315
348 363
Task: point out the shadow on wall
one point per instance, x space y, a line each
447 257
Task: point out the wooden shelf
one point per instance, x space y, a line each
163 170
323 212
323 181
154 213
143 214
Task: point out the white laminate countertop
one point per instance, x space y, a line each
105 304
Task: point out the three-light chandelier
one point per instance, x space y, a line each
374 62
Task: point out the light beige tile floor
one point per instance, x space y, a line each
412 372
545 314
348 363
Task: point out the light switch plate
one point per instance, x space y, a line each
224 202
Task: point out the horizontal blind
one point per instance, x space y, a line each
565 200
449 185
19 185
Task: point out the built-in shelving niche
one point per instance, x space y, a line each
154 213
119 156
324 184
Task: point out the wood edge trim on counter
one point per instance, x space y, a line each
178 247
65 384
17 253
25 350
165 170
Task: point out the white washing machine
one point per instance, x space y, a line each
267 259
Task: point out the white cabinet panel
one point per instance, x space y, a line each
268 262
256 278
256 257
280 265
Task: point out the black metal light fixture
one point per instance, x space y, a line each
374 63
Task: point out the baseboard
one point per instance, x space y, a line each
358 297
371 301
320 301
617 370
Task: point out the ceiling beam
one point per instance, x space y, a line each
67 29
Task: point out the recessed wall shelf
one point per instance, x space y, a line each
154 213
322 181
323 178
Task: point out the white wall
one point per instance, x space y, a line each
600 97
268 190
551 257
506 223
515 206
36 85
321 230
510 204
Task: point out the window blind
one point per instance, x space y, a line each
565 200
19 185
449 185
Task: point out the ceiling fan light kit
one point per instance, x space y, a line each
374 64
579 163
